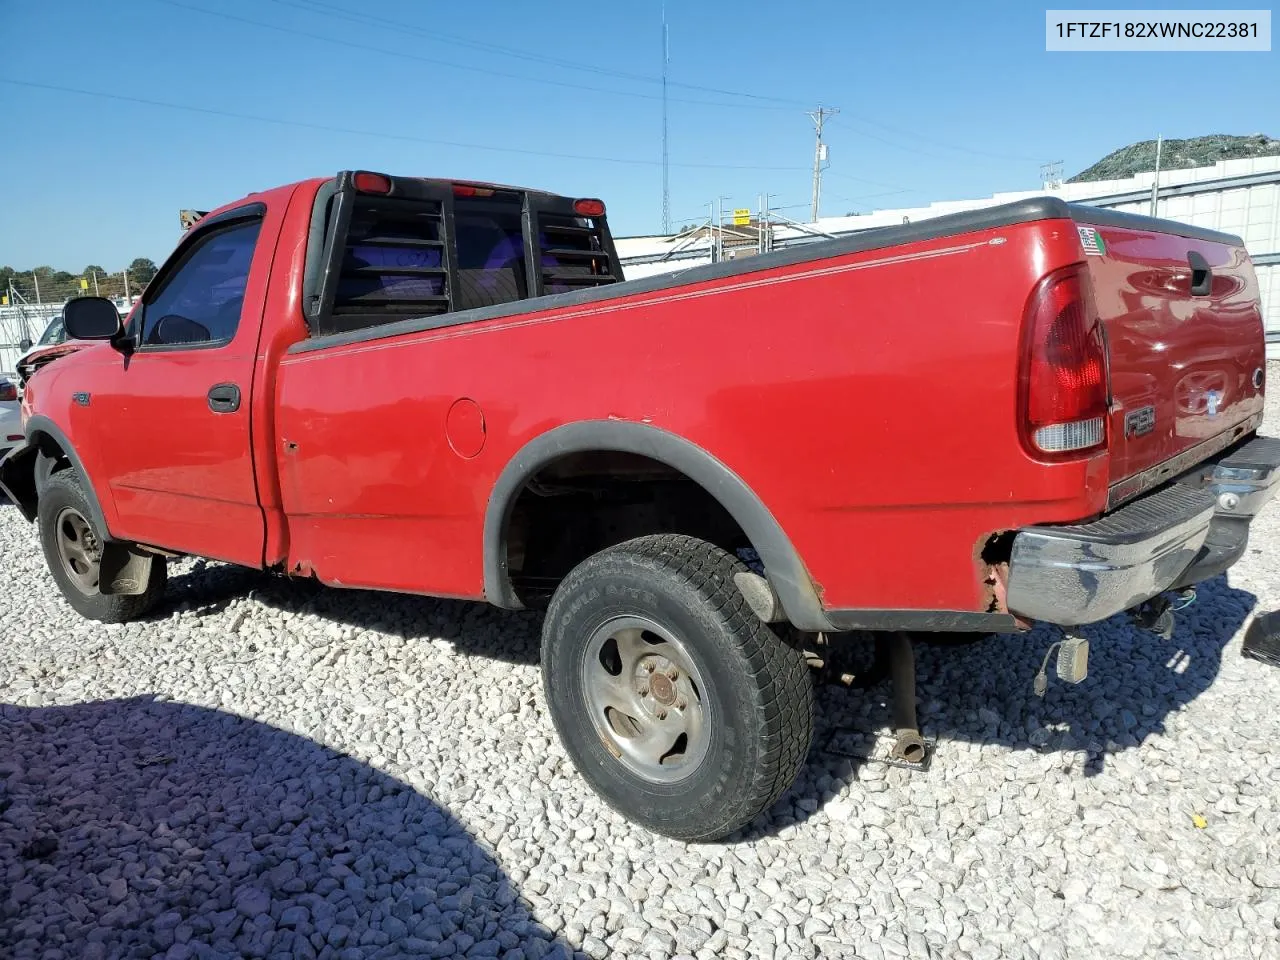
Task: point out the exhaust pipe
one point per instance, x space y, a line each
908 745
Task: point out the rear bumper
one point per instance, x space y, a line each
1188 531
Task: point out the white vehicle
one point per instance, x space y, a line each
55 332
10 417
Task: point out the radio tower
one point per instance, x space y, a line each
666 182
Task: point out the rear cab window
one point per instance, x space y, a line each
432 248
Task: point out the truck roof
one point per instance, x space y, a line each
190 218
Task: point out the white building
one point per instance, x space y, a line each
1235 196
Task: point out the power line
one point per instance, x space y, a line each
384 51
929 139
399 26
897 188
328 128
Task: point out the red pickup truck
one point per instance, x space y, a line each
1033 412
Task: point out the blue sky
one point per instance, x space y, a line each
938 100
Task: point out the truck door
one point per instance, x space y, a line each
172 418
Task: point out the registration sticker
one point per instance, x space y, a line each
1092 241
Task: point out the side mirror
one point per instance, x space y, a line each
24 344
91 318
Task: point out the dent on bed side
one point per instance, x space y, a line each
786 571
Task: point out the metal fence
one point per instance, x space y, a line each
22 322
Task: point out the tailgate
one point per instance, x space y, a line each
1184 333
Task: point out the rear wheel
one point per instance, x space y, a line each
73 551
680 707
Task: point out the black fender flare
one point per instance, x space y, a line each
781 561
38 426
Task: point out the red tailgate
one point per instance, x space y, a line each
1184 336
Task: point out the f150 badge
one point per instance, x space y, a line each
1092 241
1139 422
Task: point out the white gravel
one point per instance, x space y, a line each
267 769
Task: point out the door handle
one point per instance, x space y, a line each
1201 274
224 398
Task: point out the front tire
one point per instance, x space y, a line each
683 710
73 552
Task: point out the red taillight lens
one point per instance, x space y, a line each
589 208
469 190
1064 373
367 182
8 391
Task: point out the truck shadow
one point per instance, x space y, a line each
146 828
982 694
208 588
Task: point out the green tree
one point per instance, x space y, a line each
90 270
142 270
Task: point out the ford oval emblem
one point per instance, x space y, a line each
1258 377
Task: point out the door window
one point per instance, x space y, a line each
199 303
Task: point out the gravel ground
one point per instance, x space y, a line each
267 769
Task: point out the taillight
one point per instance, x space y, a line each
471 190
589 207
1064 368
8 391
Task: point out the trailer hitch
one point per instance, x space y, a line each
1157 614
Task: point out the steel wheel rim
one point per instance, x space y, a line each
646 698
78 549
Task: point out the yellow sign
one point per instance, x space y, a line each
84 284
741 218
4 300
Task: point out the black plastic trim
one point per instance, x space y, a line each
1023 211
925 621
785 569
18 478
246 211
39 424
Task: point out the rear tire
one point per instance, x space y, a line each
73 551
685 712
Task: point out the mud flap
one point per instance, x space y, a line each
1262 641
124 571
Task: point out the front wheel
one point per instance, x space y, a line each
73 551
683 710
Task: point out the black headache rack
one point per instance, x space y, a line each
412 247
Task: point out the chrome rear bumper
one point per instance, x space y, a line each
1187 531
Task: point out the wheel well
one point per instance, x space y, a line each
583 502
51 459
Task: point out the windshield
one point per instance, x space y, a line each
54 333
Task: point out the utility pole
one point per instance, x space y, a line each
819 154
760 225
36 279
125 273
666 179
1051 175
95 284
1155 184
711 228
